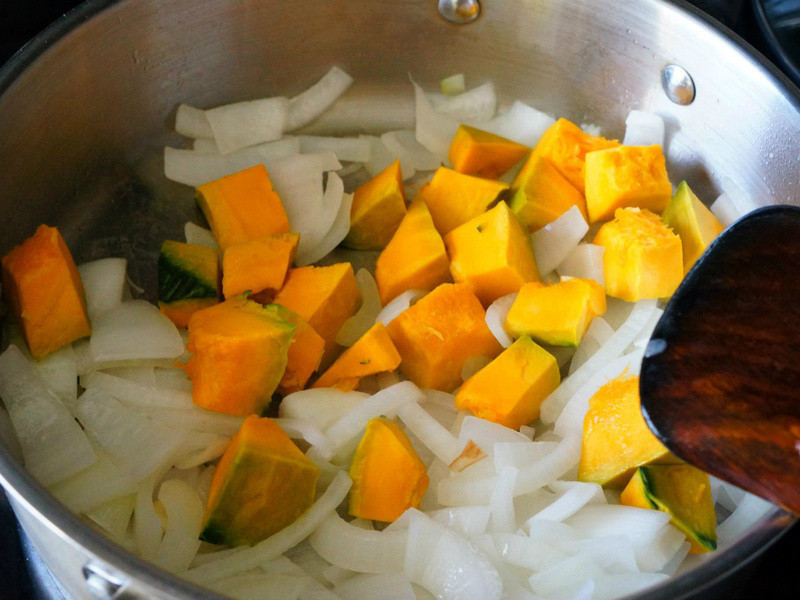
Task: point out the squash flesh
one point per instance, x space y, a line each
304 354
188 280
477 152
379 206
259 264
693 222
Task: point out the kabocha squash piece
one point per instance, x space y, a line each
262 484
477 152
325 297
491 254
304 354
693 222
564 145
439 333
242 207
414 259
454 198
239 352
684 493
378 208
511 388
616 439
557 314
188 280
44 292
372 353
626 176
545 196
388 475
258 264
643 258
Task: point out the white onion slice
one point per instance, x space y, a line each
132 393
114 516
262 586
337 232
381 157
199 236
486 434
527 553
565 578
171 378
398 305
520 454
300 429
104 284
441 442
469 521
357 325
248 123
502 501
750 510
192 122
95 485
333 218
614 553
476 105
640 524
732 204
643 338
609 586
496 317
654 555
200 448
59 371
643 129
454 84
207 145
147 524
42 422
434 130
384 586
321 406
520 123
143 376
184 511
403 145
308 105
584 261
345 148
195 418
596 335
554 242
367 551
574 495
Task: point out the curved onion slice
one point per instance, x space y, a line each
398 305
596 335
337 232
308 105
367 551
496 317
477 105
184 511
130 392
381 157
732 204
584 261
434 130
502 501
643 129
205 145
199 236
147 527
345 148
104 284
553 242
298 428
59 371
192 122
383 586
441 442
364 319
455 84
403 145
320 406
91 487
248 123
114 515
520 123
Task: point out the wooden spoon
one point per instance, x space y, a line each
720 381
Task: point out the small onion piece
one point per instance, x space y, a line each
750 509
434 130
381 157
104 283
308 105
364 319
301 429
502 501
332 224
248 123
640 524
184 511
455 84
520 123
566 578
436 438
134 394
367 551
320 407
102 481
476 105
199 236
335 235
643 129
574 495
192 122
205 145
584 261
383 586
404 146
59 370
520 454
527 553
114 515
147 525
553 243
192 454
496 317
345 148
596 335
398 305
732 204
469 521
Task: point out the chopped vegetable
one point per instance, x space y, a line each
262 484
259 264
104 284
45 293
554 242
693 222
379 206
304 354
188 280
243 124
643 129
477 152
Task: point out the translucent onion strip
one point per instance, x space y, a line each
192 122
367 551
584 261
308 105
104 283
398 305
554 242
345 148
244 124
364 319
441 442
643 129
496 317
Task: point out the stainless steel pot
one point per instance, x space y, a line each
87 106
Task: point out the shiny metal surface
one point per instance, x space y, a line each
678 85
86 108
460 12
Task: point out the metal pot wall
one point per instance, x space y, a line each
86 108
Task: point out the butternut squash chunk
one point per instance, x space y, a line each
477 152
262 484
304 354
643 258
545 196
616 439
242 207
684 493
372 353
439 333
693 222
388 475
511 388
44 292
239 353
259 264
627 176
557 314
414 259
378 208
454 198
491 254
188 280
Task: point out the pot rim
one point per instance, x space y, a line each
64 523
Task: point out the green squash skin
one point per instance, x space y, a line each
180 272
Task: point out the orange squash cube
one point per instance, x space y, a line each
477 152
304 354
627 176
454 198
643 258
414 259
439 333
45 293
242 207
491 254
693 222
259 264
378 208
545 196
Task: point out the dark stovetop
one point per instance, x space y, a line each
22 575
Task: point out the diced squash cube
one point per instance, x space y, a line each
439 333
491 254
545 196
372 353
557 314
693 222
242 207
414 259
188 280
259 264
454 198
262 484
325 297
477 152
616 439
628 176
511 388
239 353
684 493
388 475
304 354
44 292
643 257
378 208
564 145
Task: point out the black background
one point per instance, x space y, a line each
776 575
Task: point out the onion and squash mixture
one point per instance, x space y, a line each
458 418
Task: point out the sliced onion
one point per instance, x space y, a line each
205 145
59 370
200 448
102 481
132 393
496 317
184 519
486 434
520 454
199 236
367 551
643 338
364 319
335 235
192 122
566 577
104 283
308 105
554 242
732 204
262 586
654 555
114 516
615 585
143 376
147 525
640 524
455 84
596 335
441 442
244 124
574 495
345 148
195 418
643 129
42 422
527 553
614 553
477 105
333 218
403 145
398 305
300 429
521 123
384 586
172 379
321 407
502 501
553 533
381 157
749 511
584 261
434 130
469 521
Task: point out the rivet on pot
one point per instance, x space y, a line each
678 84
460 11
